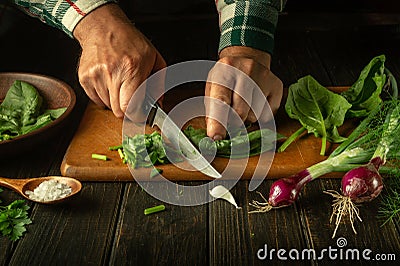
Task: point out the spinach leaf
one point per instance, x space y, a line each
146 150
364 94
319 110
23 100
22 111
235 147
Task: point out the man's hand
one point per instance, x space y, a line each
255 64
116 58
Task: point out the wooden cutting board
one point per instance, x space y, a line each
99 129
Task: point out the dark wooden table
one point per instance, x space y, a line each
105 223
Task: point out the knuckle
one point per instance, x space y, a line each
223 98
124 106
227 60
93 72
242 113
251 118
131 64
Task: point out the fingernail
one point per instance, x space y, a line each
217 137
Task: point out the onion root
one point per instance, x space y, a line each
260 206
342 206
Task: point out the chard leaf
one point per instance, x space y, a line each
364 94
318 110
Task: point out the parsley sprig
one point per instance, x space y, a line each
13 219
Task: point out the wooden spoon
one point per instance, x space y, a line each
22 185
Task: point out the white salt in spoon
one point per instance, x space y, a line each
29 184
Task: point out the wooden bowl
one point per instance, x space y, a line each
55 93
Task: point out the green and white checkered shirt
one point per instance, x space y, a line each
249 23
62 14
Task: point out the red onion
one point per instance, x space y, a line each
285 191
363 183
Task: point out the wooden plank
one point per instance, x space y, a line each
176 236
293 59
78 231
345 54
274 230
316 208
229 234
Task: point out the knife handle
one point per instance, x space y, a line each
150 107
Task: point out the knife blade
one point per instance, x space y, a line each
177 138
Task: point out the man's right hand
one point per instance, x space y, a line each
116 57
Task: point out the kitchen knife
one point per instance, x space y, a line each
177 138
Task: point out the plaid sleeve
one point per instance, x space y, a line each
62 14
249 23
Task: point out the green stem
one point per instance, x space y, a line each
154 209
389 170
292 138
115 148
389 127
323 146
342 162
356 132
393 83
99 157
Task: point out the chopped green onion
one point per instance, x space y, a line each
154 209
155 172
114 148
121 154
99 157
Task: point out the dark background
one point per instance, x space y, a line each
177 26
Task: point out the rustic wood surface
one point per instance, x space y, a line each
105 225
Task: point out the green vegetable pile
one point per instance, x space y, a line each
13 219
321 111
234 147
374 98
146 150
22 111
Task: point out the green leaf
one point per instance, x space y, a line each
235 147
21 111
13 219
24 99
55 113
364 94
155 172
319 110
145 150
